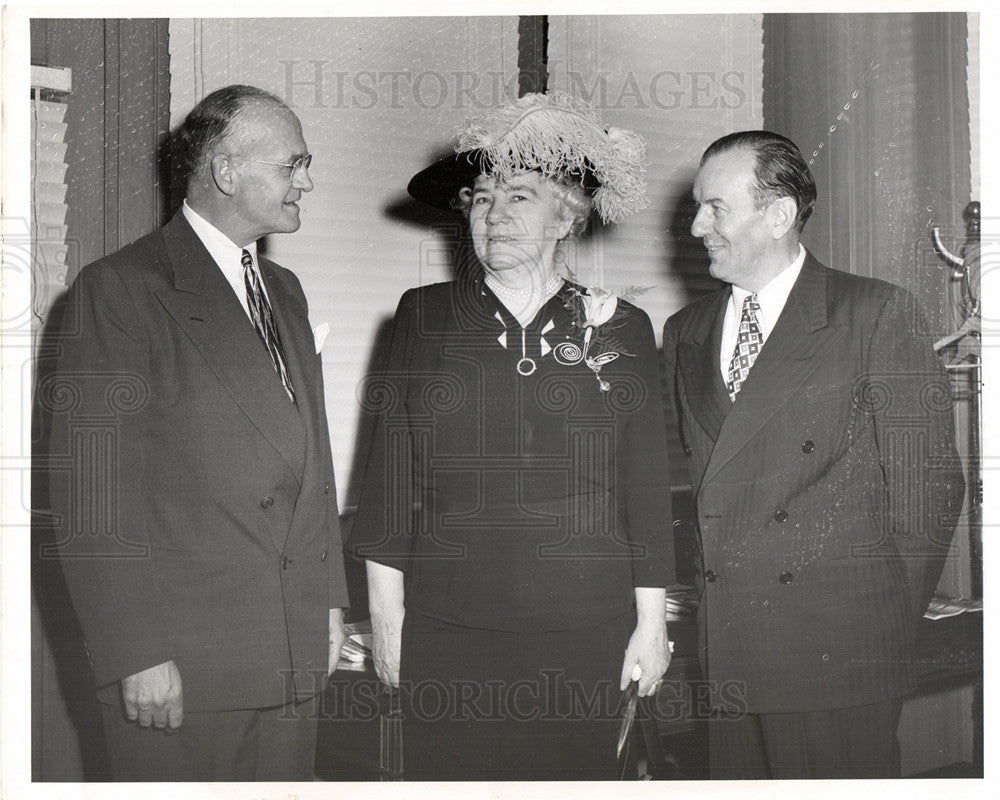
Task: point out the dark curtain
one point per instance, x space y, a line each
879 104
118 177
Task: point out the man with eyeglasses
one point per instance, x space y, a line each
210 587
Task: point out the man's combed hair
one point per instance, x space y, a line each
779 169
210 121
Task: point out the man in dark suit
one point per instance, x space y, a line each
200 534
817 423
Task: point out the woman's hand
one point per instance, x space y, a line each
386 636
385 600
649 646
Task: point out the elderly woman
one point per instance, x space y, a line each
514 515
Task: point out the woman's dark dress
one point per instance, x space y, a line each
523 510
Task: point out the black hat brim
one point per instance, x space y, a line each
439 184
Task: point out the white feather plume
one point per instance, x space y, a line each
561 137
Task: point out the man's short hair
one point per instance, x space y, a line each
779 170
211 120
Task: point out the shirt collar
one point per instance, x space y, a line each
223 250
773 296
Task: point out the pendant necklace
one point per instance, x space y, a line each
526 365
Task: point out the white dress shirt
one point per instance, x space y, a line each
771 299
227 255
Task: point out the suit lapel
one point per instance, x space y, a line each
204 306
297 340
789 356
698 362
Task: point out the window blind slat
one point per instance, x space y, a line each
48 207
680 81
378 99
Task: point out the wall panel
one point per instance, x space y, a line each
681 81
378 99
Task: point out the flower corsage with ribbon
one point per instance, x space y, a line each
597 314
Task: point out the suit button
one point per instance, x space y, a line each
266 502
808 446
786 578
322 556
326 488
710 576
687 450
781 515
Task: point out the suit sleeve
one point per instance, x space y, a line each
96 401
909 398
383 528
646 475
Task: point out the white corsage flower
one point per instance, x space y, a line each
599 306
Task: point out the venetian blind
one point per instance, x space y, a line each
973 78
48 189
682 82
378 98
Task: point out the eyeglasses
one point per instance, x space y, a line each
302 162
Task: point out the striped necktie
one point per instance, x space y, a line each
747 346
263 322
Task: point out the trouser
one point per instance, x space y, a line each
858 742
265 744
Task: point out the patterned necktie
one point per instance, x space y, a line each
747 346
263 322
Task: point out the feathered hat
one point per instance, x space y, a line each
553 133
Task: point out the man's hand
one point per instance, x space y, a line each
154 697
337 637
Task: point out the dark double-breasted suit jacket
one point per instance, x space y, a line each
198 516
826 495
